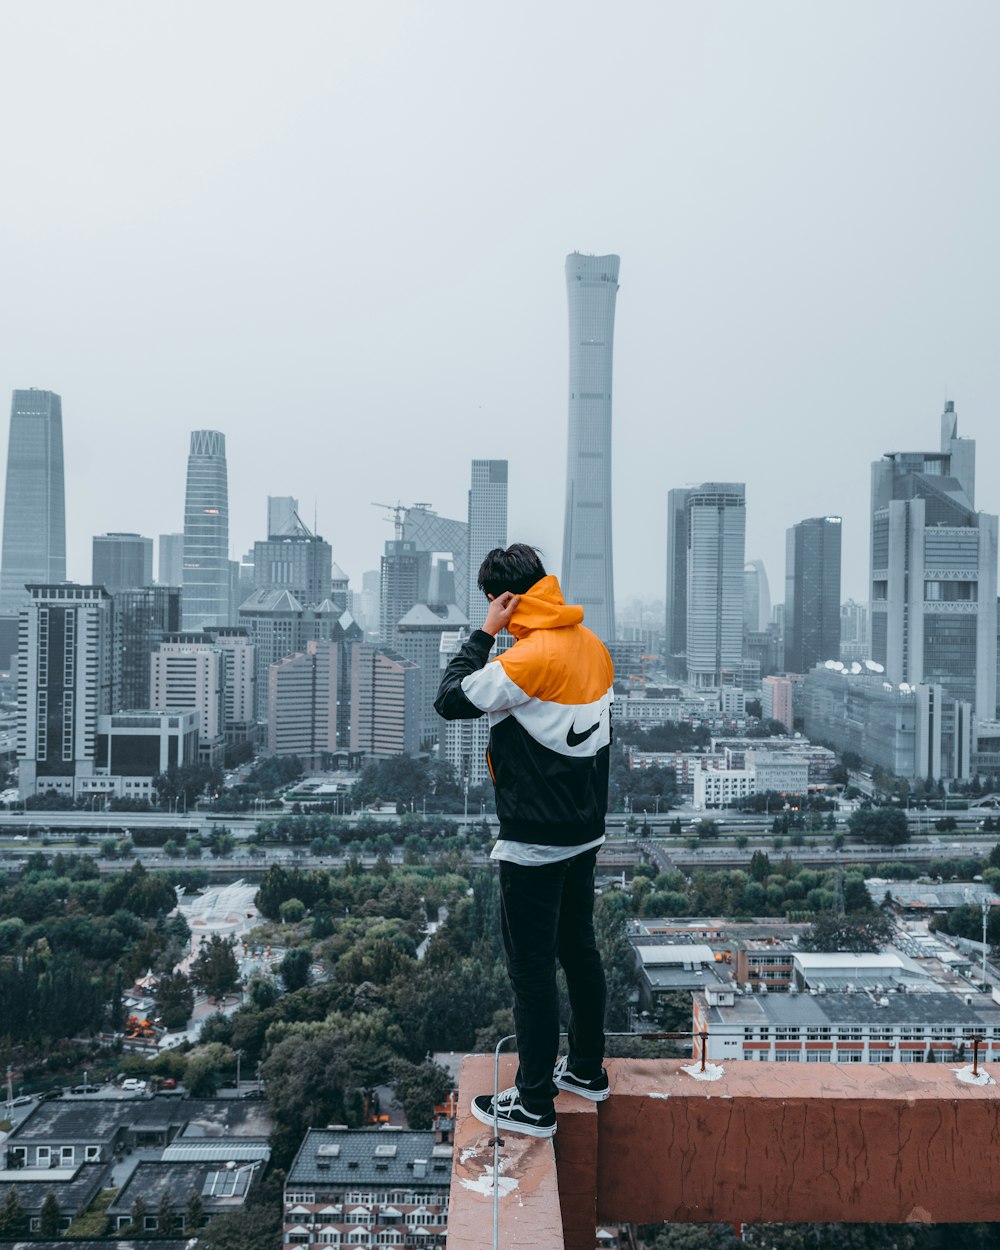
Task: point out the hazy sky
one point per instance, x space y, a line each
336 232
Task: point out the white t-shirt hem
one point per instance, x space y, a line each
535 854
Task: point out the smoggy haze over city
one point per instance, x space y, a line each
336 232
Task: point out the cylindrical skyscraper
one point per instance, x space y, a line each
205 600
588 569
34 515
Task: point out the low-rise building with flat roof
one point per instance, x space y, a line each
860 1026
218 1186
74 1189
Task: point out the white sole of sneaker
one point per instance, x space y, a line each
512 1126
591 1095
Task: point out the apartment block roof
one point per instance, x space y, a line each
372 1157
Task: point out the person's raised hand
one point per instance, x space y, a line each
500 611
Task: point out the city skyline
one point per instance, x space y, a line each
792 293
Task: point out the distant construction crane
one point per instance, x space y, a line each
397 511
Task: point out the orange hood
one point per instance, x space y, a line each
542 607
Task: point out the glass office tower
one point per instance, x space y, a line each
812 593
34 518
587 564
487 527
205 600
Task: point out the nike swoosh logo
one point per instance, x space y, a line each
573 739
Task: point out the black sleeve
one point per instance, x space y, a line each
451 702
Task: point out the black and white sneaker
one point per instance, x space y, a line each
596 1090
511 1115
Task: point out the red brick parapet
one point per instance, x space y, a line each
810 1143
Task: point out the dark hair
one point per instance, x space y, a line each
516 569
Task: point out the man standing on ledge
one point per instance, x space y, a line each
548 700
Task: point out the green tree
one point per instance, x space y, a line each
294 968
760 865
137 1214
194 1214
292 910
174 1000
885 825
165 1217
49 1216
13 1217
858 933
610 916
418 1089
255 1226
216 970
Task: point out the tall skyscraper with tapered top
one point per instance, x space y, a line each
205 600
34 515
587 568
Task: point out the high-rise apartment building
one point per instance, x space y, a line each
188 671
144 617
66 679
716 538
812 593
587 568
853 623
34 515
385 707
462 743
302 704
487 527
170 565
273 622
235 642
207 590
404 578
777 700
675 638
419 638
122 561
934 572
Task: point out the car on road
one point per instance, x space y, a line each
22 1100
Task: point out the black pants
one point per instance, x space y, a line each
547 913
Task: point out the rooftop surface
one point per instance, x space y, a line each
218 1187
96 1120
926 1007
339 1157
73 1195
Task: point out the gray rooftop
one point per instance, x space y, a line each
918 1008
219 1188
932 896
338 1157
73 1195
95 1120
114 1243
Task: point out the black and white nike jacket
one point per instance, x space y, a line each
548 700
